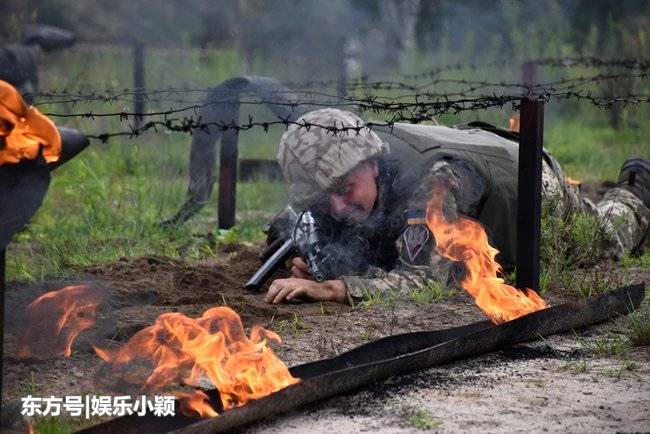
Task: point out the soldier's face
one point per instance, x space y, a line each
353 201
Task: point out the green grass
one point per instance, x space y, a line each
642 261
295 326
430 293
636 325
54 425
380 299
606 344
422 419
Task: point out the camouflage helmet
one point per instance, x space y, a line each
313 158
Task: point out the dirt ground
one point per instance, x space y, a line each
555 384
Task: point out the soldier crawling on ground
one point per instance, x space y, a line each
370 189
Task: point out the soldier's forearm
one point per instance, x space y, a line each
391 283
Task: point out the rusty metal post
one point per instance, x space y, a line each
228 171
529 75
343 70
2 311
529 202
138 83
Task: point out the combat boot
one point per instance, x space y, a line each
635 177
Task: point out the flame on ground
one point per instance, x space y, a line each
196 402
513 122
185 350
24 131
56 318
465 240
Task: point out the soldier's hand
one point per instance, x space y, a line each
300 269
283 290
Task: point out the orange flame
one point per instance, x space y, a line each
30 429
196 402
185 350
465 240
24 130
56 318
514 122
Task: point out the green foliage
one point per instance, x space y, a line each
606 344
295 326
382 299
422 419
636 325
570 252
432 292
642 261
101 208
53 425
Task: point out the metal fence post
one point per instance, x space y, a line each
342 87
529 75
529 202
138 83
228 170
2 310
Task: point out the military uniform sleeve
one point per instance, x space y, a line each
419 263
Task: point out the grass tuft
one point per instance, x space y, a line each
607 344
422 419
432 292
636 326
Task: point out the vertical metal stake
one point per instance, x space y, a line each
529 75
138 83
529 203
2 312
343 70
228 171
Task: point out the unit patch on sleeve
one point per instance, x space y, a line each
415 237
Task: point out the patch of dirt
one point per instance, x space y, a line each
138 290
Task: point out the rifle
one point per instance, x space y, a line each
293 233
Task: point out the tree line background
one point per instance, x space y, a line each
386 35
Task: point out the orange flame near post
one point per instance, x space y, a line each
184 350
465 240
55 319
24 131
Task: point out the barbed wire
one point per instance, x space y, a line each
178 95
593 62
410 112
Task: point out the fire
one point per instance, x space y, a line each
56 318
464 239
185 350
30 429
24 131
196 402
514 122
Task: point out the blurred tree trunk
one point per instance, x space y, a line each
398 19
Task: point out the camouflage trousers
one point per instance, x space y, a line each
623 218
